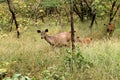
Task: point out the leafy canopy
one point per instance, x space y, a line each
50 3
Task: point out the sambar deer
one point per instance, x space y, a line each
110 27
60 39
87 40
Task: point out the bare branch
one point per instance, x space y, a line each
111 11
11 9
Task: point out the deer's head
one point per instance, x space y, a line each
43 33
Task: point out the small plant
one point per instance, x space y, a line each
5 72
18 77
54 73
76 60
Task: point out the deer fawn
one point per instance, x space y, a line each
84 41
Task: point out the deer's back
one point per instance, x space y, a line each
63 38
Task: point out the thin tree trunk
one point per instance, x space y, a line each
79 14
11 9
111 11
112 14
93 19
72 25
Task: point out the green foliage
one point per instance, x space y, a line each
18 77
103 6
4 70
50 3
4 16
22 8
73 61
54 73
77 60
31 8
1 1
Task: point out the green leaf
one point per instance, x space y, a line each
16 75
1 1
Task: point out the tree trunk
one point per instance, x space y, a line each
93 19
72 25
111 11
11 9
112 14
79 14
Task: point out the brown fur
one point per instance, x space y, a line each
110 28
84 41
60 39
87 40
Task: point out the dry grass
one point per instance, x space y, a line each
35 57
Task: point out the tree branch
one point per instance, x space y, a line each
11 9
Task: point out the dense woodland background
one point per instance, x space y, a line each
24 55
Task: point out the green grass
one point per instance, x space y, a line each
34 57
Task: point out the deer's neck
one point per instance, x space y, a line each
49 39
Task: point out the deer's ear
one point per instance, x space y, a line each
77 37
38 31
46 30
104 24
91 38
